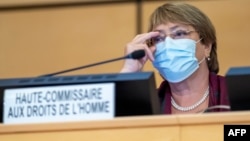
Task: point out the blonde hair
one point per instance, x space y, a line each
187 14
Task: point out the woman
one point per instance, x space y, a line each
182 46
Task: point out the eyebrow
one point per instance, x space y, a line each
174 27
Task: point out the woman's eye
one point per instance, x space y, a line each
158 39
180 33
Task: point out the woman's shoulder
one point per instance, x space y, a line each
219 88
218 82
216 78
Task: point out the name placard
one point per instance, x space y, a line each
59 103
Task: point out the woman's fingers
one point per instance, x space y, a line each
142 38
139 42
149 53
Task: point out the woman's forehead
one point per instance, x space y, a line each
172 26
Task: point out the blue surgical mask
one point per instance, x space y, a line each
175 59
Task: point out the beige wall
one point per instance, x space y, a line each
40 41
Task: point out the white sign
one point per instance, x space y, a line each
59 103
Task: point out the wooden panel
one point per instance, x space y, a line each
188 127
6 3
41 41
128 128
211 126
207 132
231 19
135 134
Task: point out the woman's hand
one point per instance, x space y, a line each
139 42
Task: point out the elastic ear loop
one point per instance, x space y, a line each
199 40
202 60
208 58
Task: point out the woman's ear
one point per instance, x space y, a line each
208 49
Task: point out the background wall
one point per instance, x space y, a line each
40 37
40 40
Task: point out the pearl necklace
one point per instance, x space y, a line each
184 109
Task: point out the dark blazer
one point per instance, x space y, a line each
217 94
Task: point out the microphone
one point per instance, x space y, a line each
138 54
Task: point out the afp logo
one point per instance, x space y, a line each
237 132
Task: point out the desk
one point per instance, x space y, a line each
202 127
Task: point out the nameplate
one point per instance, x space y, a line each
59 103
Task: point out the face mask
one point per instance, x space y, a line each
175 59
